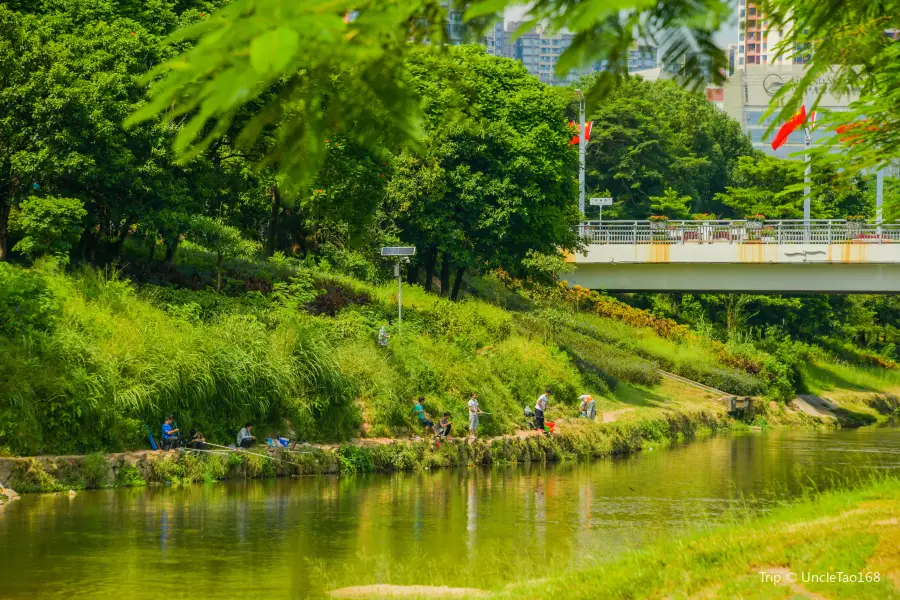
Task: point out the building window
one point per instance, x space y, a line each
741 37
741 61
741 48
764 58
765 46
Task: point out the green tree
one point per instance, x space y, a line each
51 225
305 45
223 240
757 185
495 182
671 205
651 136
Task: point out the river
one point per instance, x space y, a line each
464 527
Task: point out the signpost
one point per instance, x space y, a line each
601 202
402 254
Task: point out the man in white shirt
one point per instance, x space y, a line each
539 409
474 411
245 439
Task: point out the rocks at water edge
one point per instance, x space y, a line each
7 495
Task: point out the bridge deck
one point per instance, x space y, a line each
771 256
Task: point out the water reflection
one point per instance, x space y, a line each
475 527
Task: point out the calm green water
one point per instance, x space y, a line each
482 528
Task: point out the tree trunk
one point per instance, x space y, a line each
219 274
430 262
445 275
412 274
460 271
152 238
171 250
4 227
273 221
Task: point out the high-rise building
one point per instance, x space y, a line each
642 57
494 39
538 50
757 41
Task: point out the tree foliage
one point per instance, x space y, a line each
51 225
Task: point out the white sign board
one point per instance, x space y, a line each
601 201
398 251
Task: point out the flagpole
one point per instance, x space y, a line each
879 199
807 173
581 144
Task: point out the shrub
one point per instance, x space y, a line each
26 303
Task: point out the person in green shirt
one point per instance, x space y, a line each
424 417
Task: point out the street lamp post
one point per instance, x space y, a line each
402 254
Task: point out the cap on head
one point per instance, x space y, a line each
170 417
421 398
547 391
446 414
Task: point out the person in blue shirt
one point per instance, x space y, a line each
170 435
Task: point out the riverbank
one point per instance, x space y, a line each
841 544
616 432
838 545
573 441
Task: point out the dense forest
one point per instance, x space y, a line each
230 256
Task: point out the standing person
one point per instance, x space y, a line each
245 439
170 435
383 335
474 411
539 409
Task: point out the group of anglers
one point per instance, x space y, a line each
587 409
172 438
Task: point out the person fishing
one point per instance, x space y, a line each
424 417
587 408
245 438
539 408
198 441
171 437
444 426
474 411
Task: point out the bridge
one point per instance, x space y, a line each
789 256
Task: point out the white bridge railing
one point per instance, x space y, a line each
739 232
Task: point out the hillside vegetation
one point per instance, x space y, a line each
91 359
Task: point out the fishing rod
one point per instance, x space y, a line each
219 452
287 462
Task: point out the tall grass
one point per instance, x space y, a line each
113 363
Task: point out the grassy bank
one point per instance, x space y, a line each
577 441
851 533
92 359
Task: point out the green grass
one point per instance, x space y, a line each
851 531
820 377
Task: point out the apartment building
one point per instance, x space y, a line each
757 40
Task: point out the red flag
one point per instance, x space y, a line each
792 124
587 132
